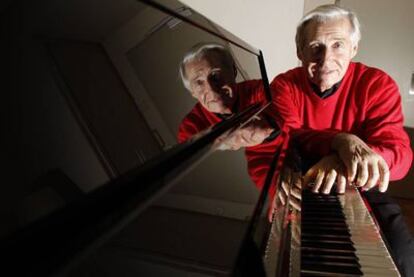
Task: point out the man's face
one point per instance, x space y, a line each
327 51
211 83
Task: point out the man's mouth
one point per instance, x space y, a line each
326 71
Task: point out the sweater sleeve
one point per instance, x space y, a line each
383 127
193 123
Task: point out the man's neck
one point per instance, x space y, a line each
327 92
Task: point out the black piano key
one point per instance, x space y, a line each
331 269
316 231
329 259
326 213
328 245
322 238
325 252
313 220
325 223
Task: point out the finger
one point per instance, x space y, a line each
309 177
295 203
351 168
384 176
318 181
282 197
329 181
363 174
271 209
285 187
373 177
340 184
296 193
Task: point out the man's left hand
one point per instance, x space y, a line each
365 168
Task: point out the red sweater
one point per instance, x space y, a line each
258 157
367 104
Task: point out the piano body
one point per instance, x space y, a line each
102 188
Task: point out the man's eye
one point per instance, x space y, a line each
337 45
315 48
215 77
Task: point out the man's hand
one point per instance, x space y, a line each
325 173
289 187
251 134
364 167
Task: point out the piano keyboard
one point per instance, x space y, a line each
338 237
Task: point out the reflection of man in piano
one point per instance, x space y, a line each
349 116
208 71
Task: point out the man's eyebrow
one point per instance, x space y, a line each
339 38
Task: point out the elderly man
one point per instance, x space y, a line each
347 114
208 71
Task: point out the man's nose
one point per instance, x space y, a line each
325 55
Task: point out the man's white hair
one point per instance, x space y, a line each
201 50
323 14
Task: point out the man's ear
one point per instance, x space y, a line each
354 51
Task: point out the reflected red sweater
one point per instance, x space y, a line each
367 104
258 157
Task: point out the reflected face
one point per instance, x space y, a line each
327 51
211 83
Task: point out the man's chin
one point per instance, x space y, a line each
325 84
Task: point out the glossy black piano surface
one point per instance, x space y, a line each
95 100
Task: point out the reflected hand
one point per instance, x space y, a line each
325 173
252 134
364 167
290 187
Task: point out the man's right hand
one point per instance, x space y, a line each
324 174
364 167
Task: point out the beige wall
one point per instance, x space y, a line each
269 25
388 42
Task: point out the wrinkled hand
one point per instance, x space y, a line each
251 134
322 176
289 191
364 167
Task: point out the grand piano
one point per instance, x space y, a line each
97 184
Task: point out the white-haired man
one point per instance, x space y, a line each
349 116
208 71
